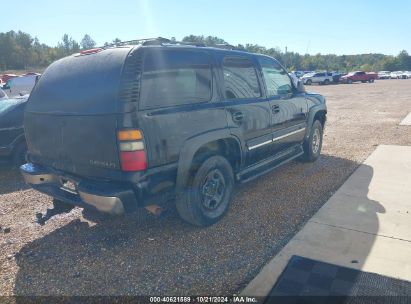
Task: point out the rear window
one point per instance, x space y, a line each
175 77
81 85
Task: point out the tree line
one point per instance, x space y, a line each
21 51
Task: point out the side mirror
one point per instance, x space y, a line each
285 91
300 86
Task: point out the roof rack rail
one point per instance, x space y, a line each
193 43
145 41
165 41
227 46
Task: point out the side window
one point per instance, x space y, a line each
321 74
276 78
240 79
171 78
329 74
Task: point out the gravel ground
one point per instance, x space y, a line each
142 254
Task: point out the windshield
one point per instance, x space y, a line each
8 104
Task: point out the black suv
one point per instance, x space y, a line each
123 127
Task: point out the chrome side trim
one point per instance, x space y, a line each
275 139
288 134
259 145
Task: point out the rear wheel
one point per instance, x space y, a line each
326 82
349 81
312 147
309 82
208 192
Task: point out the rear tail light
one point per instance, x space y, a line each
132 150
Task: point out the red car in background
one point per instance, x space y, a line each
6 77
358 76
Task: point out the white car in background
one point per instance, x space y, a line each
396 75
317 77
406 75
384 75
19 86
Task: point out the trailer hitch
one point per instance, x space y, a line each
59 207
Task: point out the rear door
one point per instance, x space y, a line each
288 106
248 112
178 100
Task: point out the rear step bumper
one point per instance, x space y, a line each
101 196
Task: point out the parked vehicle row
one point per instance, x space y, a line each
335 77
324 77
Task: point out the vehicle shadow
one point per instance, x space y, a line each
349 212
10 179
141 254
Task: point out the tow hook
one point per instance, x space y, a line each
59 207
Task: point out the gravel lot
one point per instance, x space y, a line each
142 254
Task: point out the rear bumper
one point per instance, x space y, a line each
102 196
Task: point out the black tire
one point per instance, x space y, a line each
309 82
326 82
208 193
19 154
363 81
349 81
312 147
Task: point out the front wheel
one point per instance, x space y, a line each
312 147
349 81
309 82
208 193
326 82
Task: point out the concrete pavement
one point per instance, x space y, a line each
406 121
365 225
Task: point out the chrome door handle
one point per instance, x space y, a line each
237 116
275 109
